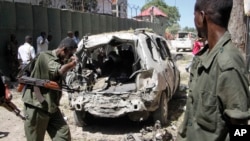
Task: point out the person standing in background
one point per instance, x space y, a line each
49 38
42 43
196 48
76 37
26 52
12 51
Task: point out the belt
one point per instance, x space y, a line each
34 107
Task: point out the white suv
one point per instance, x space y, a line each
184 40
123 73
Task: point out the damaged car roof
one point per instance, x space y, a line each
106 38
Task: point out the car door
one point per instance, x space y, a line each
172 69
176 71
154 62
169 65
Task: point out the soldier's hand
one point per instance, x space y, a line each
8 95
74 59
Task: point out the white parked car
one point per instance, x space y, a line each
184 40
126 73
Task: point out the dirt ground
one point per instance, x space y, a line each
11 127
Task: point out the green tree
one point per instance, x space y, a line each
174 28
172 12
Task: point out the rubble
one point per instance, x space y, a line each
151 133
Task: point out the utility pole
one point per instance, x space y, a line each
136 8
117 9
152 14
102 6
131 8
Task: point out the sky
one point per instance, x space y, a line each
185 7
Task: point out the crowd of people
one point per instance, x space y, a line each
20 55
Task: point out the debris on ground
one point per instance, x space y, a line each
151 133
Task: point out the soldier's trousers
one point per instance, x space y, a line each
39 121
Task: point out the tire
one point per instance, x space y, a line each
81 118
161 113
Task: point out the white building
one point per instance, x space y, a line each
119 8
104 7
116 8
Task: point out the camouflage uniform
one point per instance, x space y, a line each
46 115
218 90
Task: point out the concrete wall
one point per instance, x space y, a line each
24 19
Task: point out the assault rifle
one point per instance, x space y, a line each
11 107
5 101
25 80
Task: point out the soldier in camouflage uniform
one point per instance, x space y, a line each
41 106
12 50
218 87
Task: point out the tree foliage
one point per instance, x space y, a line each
174 28
172 12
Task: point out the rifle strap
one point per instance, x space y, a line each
38 94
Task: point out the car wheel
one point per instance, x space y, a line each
161 113
81 118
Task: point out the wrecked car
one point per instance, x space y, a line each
126 73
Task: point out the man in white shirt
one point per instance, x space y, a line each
26 52
42 43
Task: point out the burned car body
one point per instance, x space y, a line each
123 73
